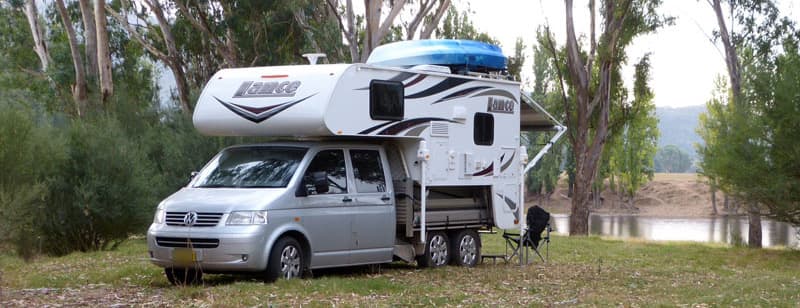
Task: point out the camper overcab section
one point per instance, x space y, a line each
404 157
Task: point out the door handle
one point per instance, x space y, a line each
386 198
347 199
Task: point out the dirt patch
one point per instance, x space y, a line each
88 295
668 195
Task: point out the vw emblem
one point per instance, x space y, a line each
190 219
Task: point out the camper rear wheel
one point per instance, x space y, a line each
437 250
183 276
466 248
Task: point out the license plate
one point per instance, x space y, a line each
184 256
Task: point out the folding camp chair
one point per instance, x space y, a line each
538 221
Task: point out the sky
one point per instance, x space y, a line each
684 61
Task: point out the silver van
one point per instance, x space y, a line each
281 208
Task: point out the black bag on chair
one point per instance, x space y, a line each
537 220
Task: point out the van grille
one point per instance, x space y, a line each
182 242
203 219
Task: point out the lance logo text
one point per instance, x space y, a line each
267 89
498 105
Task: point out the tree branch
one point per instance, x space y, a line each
136 35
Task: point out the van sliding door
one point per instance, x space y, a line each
373 224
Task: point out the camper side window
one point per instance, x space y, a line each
368 171
484 128
386 100
326 174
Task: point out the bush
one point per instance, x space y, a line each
102 194
29 155
90 183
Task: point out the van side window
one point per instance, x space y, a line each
386 100
368 171
484 128
331 162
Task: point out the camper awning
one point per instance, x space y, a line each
533 117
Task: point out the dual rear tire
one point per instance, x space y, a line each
462 248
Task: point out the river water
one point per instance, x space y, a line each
725 229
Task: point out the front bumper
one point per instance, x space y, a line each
241 248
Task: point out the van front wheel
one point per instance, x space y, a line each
285 260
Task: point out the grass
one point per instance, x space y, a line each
582 271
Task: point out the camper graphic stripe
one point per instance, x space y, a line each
440 87
259 114
460 94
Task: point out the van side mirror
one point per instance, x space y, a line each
320 180
192 175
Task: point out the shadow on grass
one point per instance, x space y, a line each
359 271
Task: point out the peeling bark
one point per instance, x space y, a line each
90 33
79 88
103 52
39 45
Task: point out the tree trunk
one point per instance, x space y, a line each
103 52
39 45
351 33
725 204
79 88
183 87
172 59
713 189
570 184
90 33
754 229
432 23
372 13
579 218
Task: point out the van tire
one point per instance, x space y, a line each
466 248
437 250
286 260
183 276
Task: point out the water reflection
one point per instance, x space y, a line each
730 230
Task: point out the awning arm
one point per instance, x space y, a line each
560 130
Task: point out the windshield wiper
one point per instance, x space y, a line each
213 186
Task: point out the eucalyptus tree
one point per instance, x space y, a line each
593 79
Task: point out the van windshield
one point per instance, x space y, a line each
251 167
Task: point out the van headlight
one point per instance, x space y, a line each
248 218
158 218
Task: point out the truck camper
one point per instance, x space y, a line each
405 157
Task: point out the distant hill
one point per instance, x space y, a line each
677 127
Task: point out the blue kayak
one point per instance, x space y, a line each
473 55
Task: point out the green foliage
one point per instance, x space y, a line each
751 147
631 156
672 159
516 61
543 178
457 25
102 194
28 155
753 153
